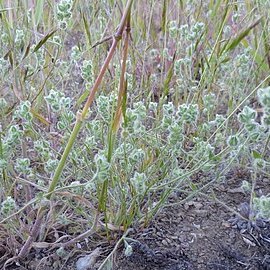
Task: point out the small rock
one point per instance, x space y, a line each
164 242
186 206
197 226
201 213
226 224
190 219
248 241
198 205
87 262
182 238
186 229
265 180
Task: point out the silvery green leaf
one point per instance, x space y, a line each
128 250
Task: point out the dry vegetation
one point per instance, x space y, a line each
110 108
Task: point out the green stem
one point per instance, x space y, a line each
67 150
81 115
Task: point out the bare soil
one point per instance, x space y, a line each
201 234
205 235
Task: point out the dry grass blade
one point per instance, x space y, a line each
168 78
43 40
2 10
164 16
39 9
86 29
232 45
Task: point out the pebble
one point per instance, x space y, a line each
266 180
186 229
186 206
87 262
182 238
226 224
165 242
198 205
248 241
201 213
190 219
197 226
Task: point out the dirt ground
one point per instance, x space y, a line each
205 235
201 234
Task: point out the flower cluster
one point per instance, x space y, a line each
87 71
23 111
8 206
102 167
264 98
64 12
19 38
23 166
248 117
3 66
191 33
58 101
262 206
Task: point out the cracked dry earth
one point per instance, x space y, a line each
205 235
